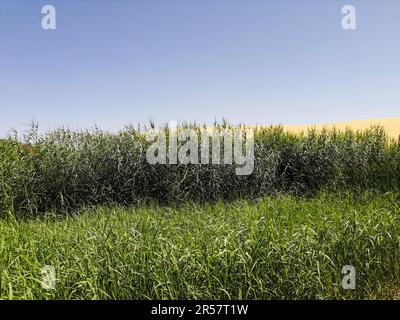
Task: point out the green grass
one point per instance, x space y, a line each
274 248
116 227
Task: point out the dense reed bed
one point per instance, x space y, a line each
114 226
65 170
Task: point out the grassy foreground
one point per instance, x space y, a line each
283 247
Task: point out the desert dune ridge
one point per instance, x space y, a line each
391 126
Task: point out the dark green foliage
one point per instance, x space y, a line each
65 170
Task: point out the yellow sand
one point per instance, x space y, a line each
391 125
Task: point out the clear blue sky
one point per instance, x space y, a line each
114 62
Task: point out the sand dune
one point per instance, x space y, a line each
391 125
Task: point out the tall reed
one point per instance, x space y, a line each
66 169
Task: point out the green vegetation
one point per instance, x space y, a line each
66 170
116 227
281 247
